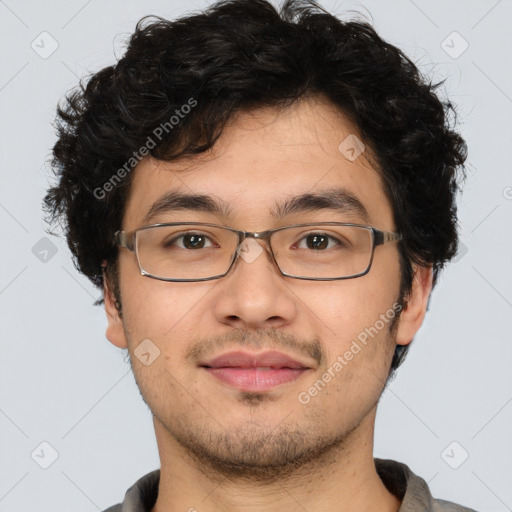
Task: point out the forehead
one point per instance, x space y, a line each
263 159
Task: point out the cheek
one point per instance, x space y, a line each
157 309
354 318
344 309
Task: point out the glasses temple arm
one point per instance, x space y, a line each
125 239
383 237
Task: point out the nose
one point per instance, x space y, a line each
254 294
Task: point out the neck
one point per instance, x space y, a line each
341 479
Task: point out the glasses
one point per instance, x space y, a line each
195 251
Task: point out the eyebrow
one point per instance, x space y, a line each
340 200
176 200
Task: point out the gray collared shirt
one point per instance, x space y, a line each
397 477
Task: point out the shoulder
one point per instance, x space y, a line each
412 490
141 496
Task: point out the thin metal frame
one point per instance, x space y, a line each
127 239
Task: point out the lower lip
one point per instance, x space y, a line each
252 379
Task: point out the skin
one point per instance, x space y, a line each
224 450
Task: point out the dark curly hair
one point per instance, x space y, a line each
244 54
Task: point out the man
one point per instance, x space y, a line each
266 201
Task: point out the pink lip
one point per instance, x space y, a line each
251 372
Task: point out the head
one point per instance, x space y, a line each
249 108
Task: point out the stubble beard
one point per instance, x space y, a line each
254 451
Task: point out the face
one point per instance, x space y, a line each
264 159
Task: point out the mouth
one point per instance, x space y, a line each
255 372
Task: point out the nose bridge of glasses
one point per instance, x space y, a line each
260 235
263 236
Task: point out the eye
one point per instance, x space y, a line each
189 241
318 241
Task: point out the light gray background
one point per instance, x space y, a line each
63 383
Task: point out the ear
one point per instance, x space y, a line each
115 330
414 311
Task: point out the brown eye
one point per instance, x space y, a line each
317 242
189 241
194 241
